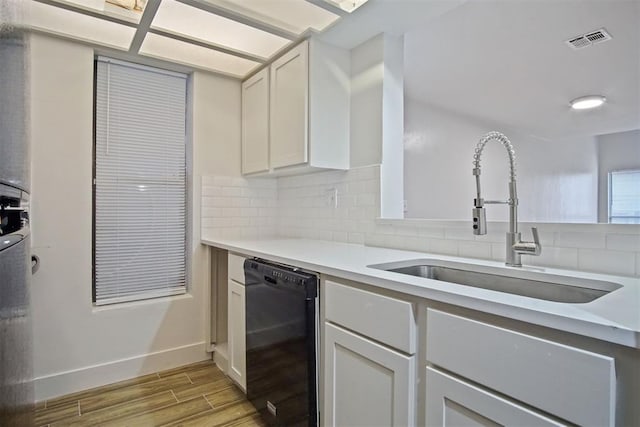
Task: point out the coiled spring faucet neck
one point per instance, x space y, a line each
502 138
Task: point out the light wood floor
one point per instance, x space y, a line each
194 395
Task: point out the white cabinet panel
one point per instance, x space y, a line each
237 340
290 107
236 267
255 123
452 402
388 320
571 383
366 384
307 118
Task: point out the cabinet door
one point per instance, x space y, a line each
289 108
365 383
255 123
237 339
452 402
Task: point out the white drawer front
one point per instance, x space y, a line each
384 319
573 384
453 402
236 268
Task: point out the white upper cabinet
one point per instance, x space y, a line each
308 112
255 123
290 107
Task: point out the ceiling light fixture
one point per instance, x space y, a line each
587 102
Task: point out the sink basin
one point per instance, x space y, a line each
526 283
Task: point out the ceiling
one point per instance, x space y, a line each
507 63
504 62
232 37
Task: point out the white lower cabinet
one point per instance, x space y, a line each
236 334
365 383
567 382
453 402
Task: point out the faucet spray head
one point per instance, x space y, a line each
479 221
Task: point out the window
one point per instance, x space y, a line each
624 197
139 182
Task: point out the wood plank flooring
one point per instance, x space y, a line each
194 395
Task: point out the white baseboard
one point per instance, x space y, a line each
61 383
221 358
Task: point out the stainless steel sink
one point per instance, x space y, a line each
519 282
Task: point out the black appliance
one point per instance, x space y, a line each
281 342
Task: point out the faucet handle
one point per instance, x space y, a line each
529 248
536 237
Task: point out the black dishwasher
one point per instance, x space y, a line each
281 340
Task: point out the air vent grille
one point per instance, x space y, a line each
589 39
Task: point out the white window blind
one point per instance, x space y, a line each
140 188
624 197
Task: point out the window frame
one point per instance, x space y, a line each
610 174
188 182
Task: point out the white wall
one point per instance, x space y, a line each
556 178
367 76
377 109
616 151
76 345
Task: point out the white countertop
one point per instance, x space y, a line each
614 317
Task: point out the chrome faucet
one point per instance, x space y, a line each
515 246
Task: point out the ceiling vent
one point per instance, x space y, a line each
589 39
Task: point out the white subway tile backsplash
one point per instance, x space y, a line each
498 251
614 262
459 233
413 243
623 242
443 246
357 238
299 207
249 212
373 239
211 212
492 237
240 222
576 239
554 257
472 249
211 190
547 238
365 199
339 236
431 232
407 231
235 207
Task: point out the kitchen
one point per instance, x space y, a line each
336 222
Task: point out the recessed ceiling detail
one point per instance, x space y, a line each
112 8
62 22
175 17
169 49
231 37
